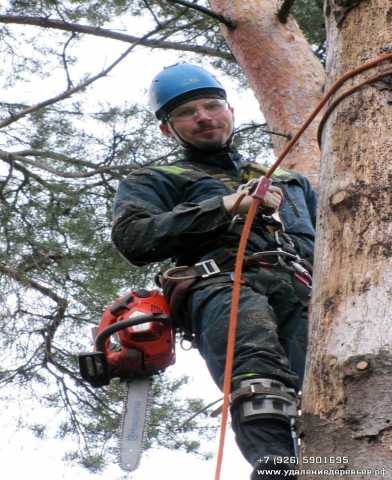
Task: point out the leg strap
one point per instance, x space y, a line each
265 398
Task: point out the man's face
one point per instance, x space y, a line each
206 123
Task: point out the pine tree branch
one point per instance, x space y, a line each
27 282
29 366
6 156
21 156
62 304
102 32
216 16
67 93
76 378
284 10
10 159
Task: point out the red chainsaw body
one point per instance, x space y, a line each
142 349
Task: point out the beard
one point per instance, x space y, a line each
210 136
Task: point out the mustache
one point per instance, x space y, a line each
207 126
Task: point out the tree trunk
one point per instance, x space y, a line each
285 75
347 405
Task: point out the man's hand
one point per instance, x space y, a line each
270 202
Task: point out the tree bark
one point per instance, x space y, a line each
347 405
285 75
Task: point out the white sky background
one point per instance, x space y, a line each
21 454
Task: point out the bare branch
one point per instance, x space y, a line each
284 10
216 16
152 12
51 329
102 32
64 60
262 129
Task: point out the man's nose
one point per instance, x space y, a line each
202 114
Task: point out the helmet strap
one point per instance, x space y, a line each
177 136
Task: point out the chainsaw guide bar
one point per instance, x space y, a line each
136 414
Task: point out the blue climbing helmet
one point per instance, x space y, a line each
181 83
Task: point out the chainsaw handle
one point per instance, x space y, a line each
115 327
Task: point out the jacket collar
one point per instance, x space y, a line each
226 158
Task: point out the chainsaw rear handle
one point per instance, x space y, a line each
121 325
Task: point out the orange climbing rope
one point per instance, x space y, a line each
261 190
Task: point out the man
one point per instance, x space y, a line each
190 211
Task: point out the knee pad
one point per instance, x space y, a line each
263 398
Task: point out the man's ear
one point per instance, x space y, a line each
165 129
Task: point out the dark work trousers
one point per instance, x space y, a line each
270 343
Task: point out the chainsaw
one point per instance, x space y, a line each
145 346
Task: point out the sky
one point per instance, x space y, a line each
24 456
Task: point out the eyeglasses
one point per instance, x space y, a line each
186 113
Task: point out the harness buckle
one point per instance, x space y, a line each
207 268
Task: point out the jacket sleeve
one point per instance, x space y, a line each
155 220
311 201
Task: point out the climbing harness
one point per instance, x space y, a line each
259 192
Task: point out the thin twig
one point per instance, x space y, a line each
148 6
216 16
188 420
261 125
64 60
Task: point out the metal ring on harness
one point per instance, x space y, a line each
167 275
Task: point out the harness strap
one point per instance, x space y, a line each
204 269
278 258
259 389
